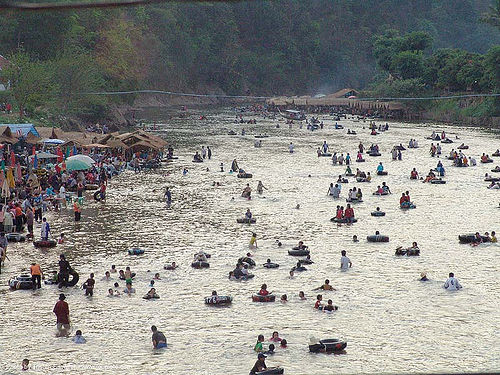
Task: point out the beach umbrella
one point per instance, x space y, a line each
79 163
10 178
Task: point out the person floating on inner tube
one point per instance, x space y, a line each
301 246
380 167
248 214
263 290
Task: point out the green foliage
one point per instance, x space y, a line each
493 16
252 47
30 81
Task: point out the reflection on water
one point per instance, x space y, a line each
392 322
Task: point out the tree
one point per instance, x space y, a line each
493 16
408 64
77 73
30 82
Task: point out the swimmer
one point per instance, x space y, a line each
253 240
113 269
284 298
302 296
355 238
107 276
423 277
452 283
258 346
329 306
318 303
78 338
25 364
326 286
292 275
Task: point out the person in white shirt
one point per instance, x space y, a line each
345 262
290 147
452 283
78 338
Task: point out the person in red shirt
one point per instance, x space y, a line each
263 290
349 213
408 196
61 309
319 299
340 212
402 199
19 218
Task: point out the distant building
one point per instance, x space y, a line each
344 93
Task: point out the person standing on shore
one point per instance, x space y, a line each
36 275
209 152
61 310
44 232
30 217
168 196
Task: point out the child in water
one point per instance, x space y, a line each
258 346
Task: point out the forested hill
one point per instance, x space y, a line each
254 47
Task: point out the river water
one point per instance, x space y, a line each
391 321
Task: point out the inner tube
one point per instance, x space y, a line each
379 238
271 265
247 260
463 147
47 243
200 265
328 346
437 182
15 237
378 213
97 196
271 371
151 297
326 154
298 252
349 174
383 193
343 221
246 221
306 261
74 278
447 140
360 160
259 298
496 170
91 187
21 282
408 252
374 154
382 173
492 179
218 300
197 160
361 179
487 161
244 175
135 251
355 200
470 238
299 269
407 206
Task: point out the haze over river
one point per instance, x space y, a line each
393 323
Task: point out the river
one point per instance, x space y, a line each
393 323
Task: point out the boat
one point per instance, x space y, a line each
21 282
